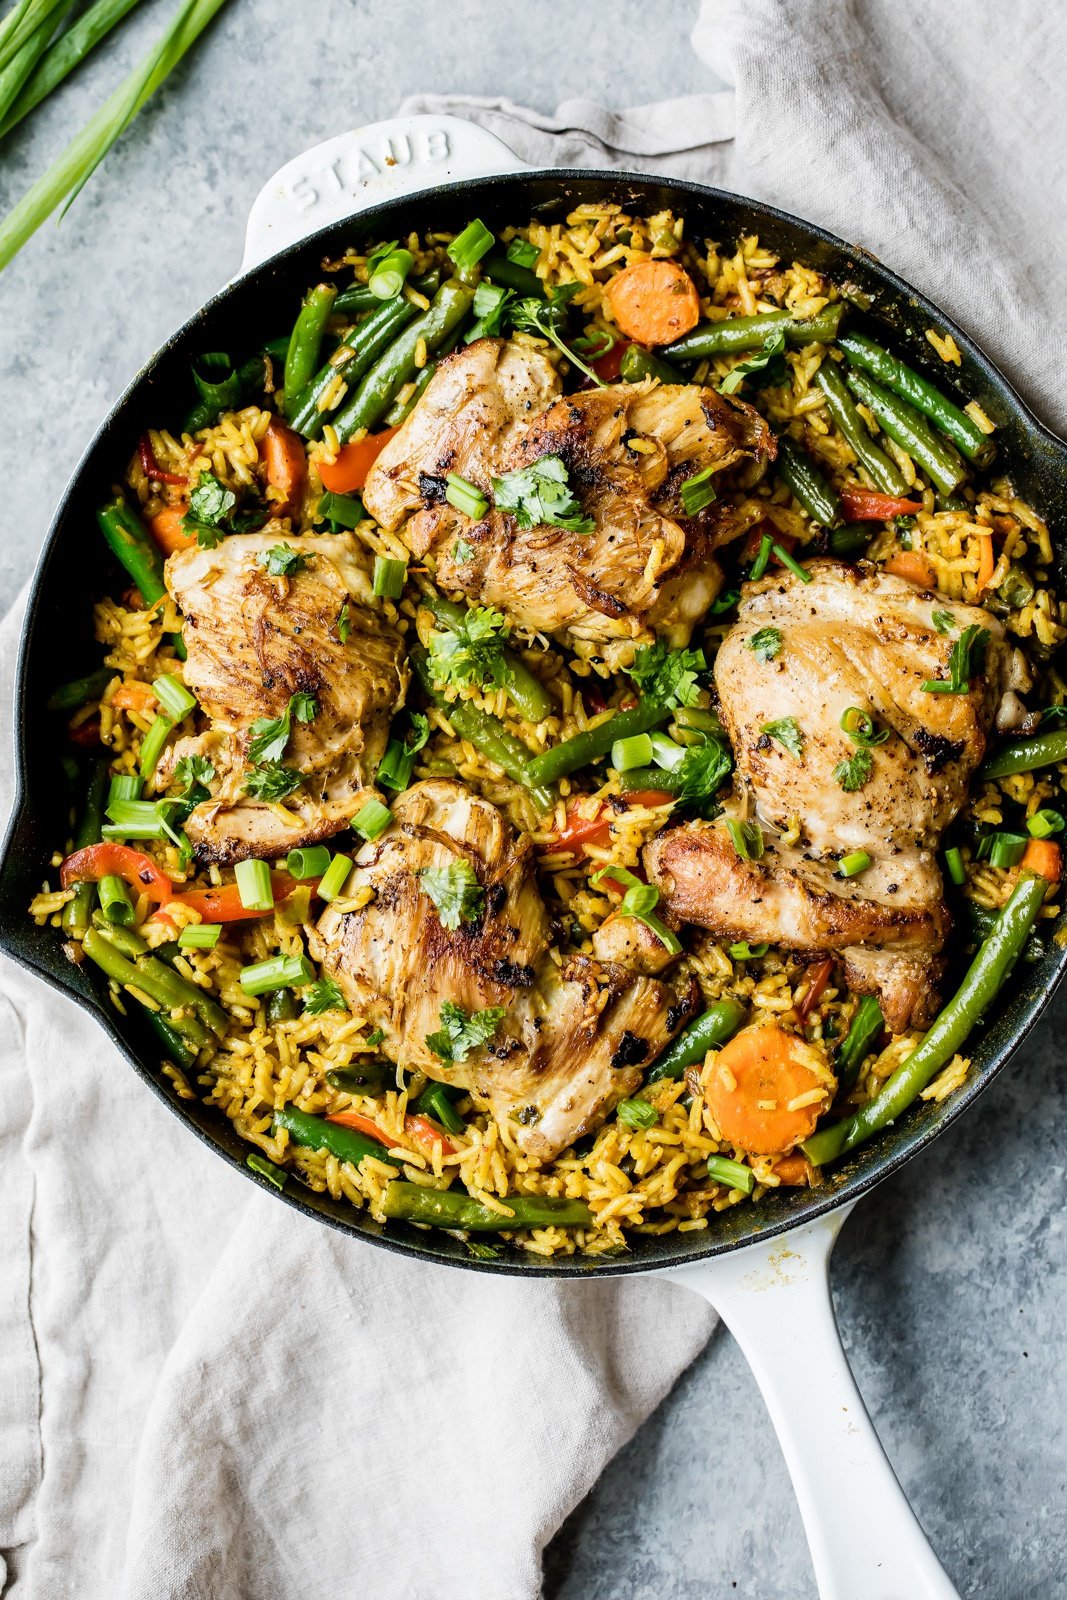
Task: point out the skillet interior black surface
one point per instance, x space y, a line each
74 567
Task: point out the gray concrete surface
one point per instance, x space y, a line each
950 1281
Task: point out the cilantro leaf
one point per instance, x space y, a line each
753 363
965 661
281 560
344 623
491 304
461 1031
455 891
853 773
270 735
942 621
375 1038
271 781
472 652
193 772
324 996
209 504
548 319
765 643
462 552
541 494
788 732
667 676
702 770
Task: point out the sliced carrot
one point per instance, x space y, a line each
915 567
427 1134
820 976
648 797
793 1170
753 1083
134 696
653 302
1045 858
286 461
86 733
353 463
166 529
750 548
987 562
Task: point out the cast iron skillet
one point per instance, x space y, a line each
75 566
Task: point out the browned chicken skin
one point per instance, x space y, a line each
494 408
576 1031
851 638
255 640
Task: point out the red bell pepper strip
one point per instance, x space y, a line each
420 1130
86 733
106 860
224 904
608 367
819 979
151 467
750 548
866 505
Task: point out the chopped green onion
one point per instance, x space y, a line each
860 727
389 578
747 838
152 745
698 492
387 278
124 786
763 555
640 901
1043 824
666 753
334 878
523 253
633 752
956 870
309 862
254 885
1006 849
734 1174
266 1169
792 563
852 865
115 900
468 247
277 972
173 696
747 952
465 497
637 1113
372 820
139 819
200 936
342 510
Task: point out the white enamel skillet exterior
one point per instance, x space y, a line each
866 1543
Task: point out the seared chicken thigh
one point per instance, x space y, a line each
800 656
627 449
254 641
575 1032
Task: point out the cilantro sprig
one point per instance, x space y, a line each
854 772
270 735
455 891
462 1032
324 996
965 662
788 733
667 676
765 643
472 652
213 513
541 494
548 319
282 561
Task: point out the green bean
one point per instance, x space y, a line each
436 1101
736 334
850 540
525 691
363 1077
866 1025
807 483
649 778
885 473
987 973
698 717
909 385
157 977
305 342
130 541
446 1208
706 1032
510 275
639 363
140 974
347 1144
400 411
281 1006
1016 588
1025 755
72 696
911 432
125 940
359 297
77 913
487 734
593 743
366 344
179 1051
380 386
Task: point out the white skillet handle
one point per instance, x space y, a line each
346 174
866 1543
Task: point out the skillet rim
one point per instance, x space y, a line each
861 1172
